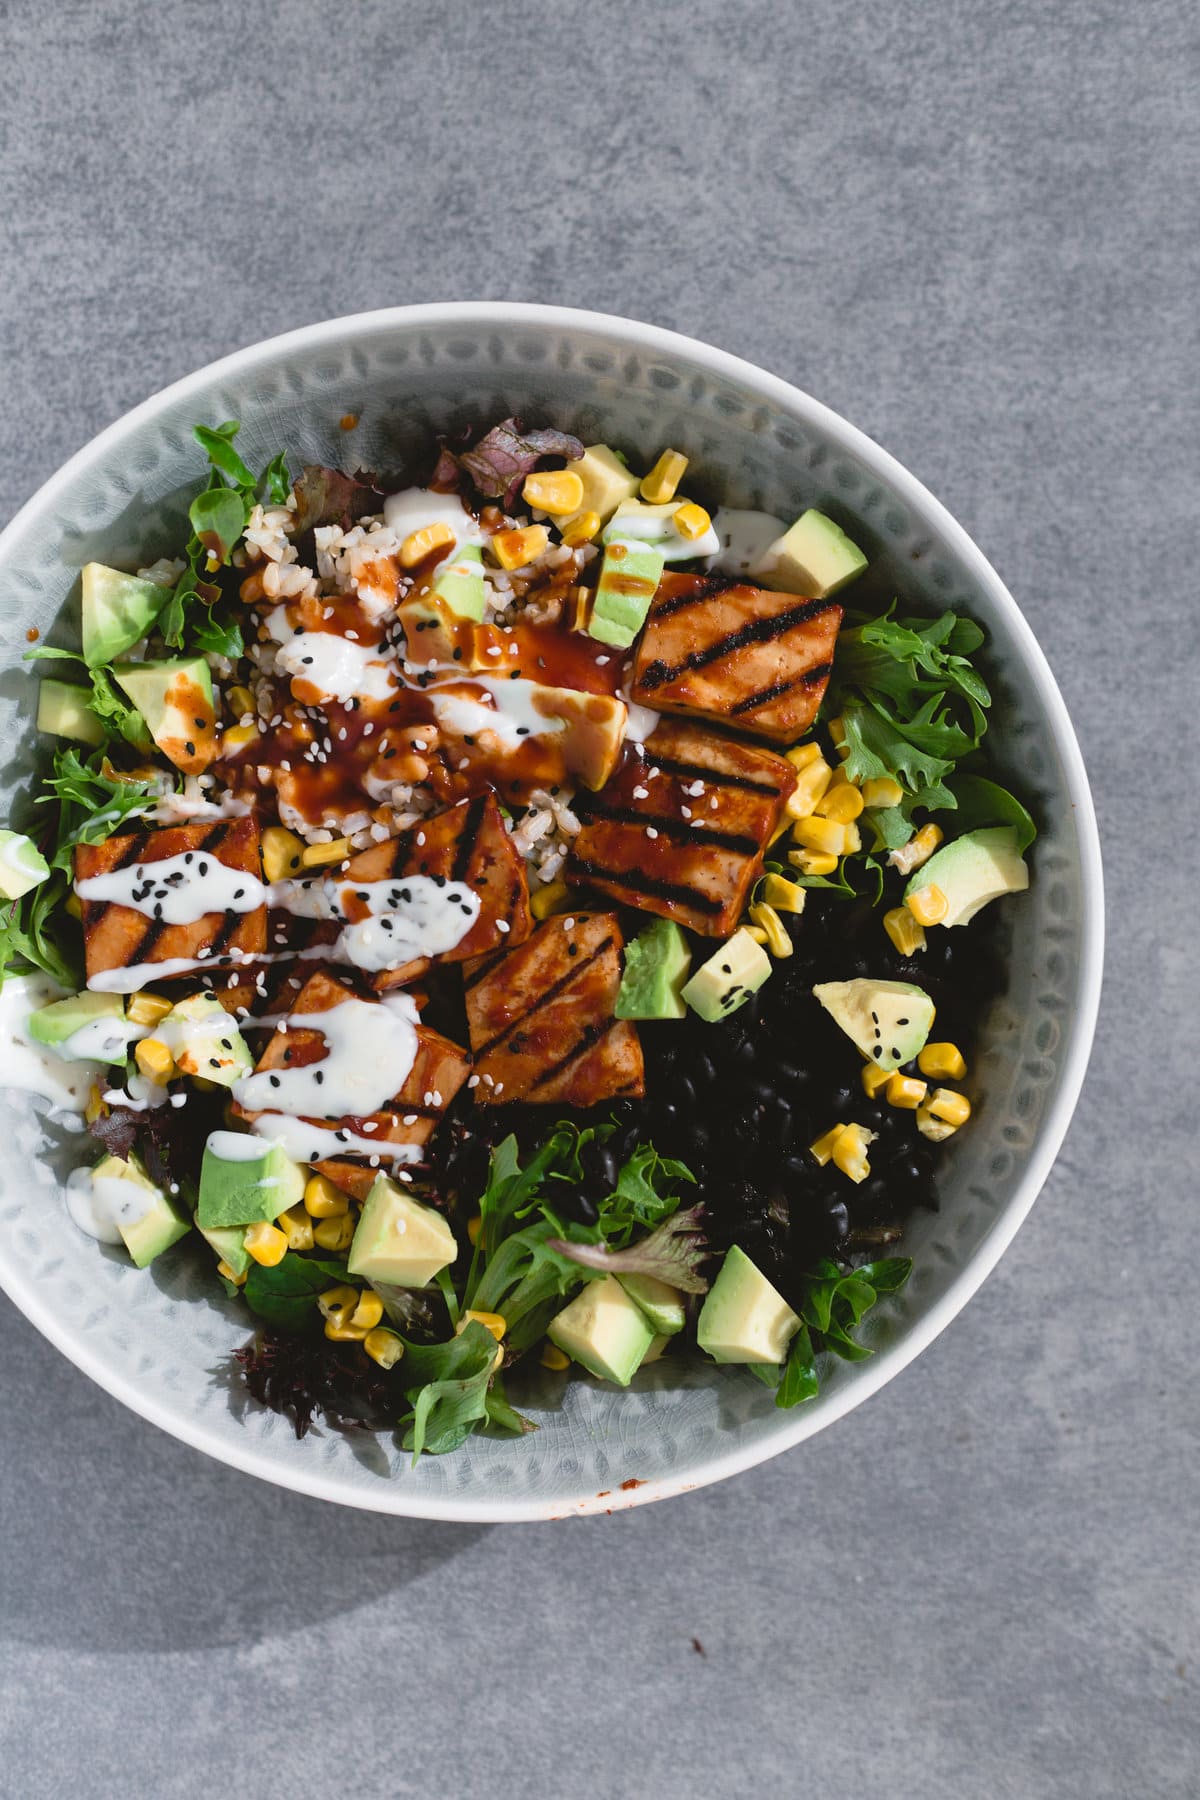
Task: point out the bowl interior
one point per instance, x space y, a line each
159 1340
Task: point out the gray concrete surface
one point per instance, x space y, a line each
972 228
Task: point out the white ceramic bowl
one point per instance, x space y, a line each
157 1340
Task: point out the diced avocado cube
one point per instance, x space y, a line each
244 1179
656 964
228 1242
22 865
814 558
973 869
605 1330
606 482
459 582
889 1021
744 1319
144 1216
118 612
629 577
90 1027
398 1239
636 522
64 710
175 699
726 981
205 1041
662 1304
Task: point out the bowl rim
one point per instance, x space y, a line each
393 1497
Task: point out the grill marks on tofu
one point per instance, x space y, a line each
121 937
681 827
541 1018
726 650
411 1116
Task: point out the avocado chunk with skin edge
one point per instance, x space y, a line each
734 971
245 1180
629 578
889 1021
744 1318
972 870
143 1214
813 558
175 698
64 710
661 1303
657 961
398 1239
119 610
22 865
204 1040
604 1330
92 1027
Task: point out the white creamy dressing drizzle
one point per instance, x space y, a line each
35 1068
87 1203
408 916
745 536
305 1142
640 721
414 508
179 890
657 527
341 669
234 1146
371 1047
512 717
100 1040
139 1094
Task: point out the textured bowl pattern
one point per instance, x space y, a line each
159 1340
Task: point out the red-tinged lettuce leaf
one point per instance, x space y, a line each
446 473
501 460
328 497
301 1376
673 1253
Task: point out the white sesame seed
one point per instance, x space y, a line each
641 793
602 660
472 1081
650 832
410 1119
502 926
685 812
493 649
404 1175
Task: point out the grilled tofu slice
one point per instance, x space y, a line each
439 1069
681 827
121 938
541 1018
467 844
721 649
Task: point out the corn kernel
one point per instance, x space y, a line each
554 1358
690 521
337 1304
662 483
905 1091
73 905
820 834
224 1269
919 848
823 1148
928 904
266 1243
942 1062
513 549
422 543
849 1151
345 1334
319 856
154 1059
815 777
813 862
558 492
936 1130
493 1322
756 932
281 853
881 790
549 899
237 738
801 755
582 529
769 921
873 1078
334 1234
95 1108
474 1229
384 1347
837 732
905 933
368 1312
853 840
240 701
147 1008
951 1107
298 1226
784 895
840 801
322 1200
